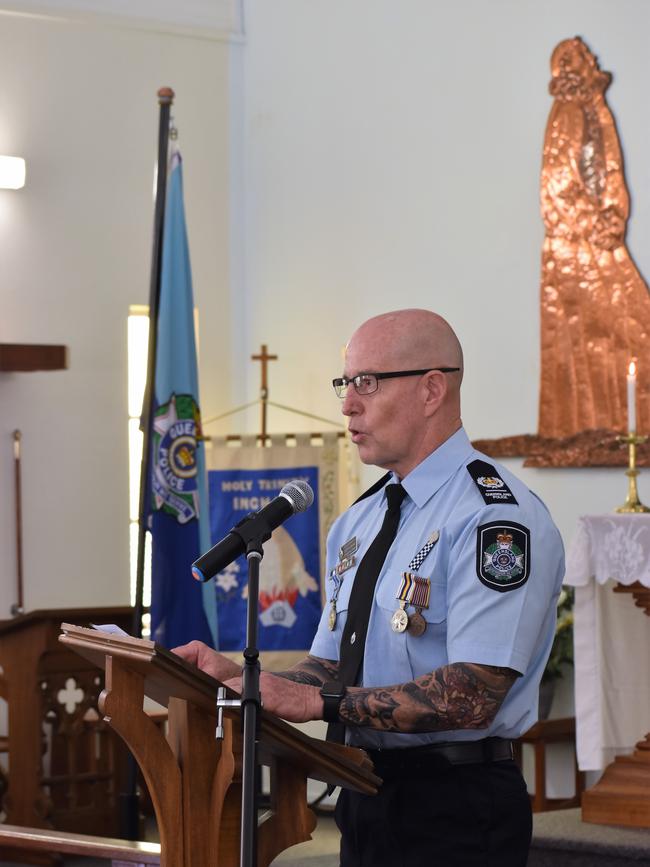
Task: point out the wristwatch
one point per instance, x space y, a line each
332 692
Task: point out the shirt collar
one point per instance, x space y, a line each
431 474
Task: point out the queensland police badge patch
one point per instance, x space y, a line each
175 484
503 555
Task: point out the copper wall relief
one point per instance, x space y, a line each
595 306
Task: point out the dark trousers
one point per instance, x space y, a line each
474 815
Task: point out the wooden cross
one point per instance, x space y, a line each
264 359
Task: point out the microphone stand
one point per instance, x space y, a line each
251 704
253 533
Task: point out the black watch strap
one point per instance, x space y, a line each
332 692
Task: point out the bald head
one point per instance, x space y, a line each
412 338
405 418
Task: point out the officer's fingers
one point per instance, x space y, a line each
190 652
233 683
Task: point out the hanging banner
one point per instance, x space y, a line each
290 585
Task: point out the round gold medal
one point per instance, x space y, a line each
399 621
331 622
417 624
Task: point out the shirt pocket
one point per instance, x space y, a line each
428 651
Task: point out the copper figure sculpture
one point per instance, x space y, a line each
595 312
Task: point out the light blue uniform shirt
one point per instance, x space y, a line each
467 621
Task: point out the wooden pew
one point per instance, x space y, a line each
15 840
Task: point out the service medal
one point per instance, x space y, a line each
417 624
336 578
419 600
400 618
399 621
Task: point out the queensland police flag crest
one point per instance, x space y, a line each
181 609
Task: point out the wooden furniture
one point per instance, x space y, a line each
609 560
65 764
622 795
15 841
16 357
542 734
193 778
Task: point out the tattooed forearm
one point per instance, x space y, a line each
312 670
458 696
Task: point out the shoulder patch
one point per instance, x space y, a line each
503 555
490 484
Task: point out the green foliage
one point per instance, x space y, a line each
562 649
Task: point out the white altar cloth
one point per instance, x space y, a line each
611 636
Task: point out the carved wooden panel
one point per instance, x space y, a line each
83 761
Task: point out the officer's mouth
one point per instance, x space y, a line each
356 435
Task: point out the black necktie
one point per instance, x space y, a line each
363 590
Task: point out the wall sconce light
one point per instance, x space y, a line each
12 173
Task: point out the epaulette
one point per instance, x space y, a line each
490 484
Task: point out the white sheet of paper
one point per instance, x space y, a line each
109 627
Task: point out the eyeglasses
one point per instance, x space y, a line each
367 383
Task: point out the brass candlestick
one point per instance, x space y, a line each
632 502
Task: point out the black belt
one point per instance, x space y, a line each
431 757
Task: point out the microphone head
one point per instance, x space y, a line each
299 494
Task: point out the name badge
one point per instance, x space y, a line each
346 555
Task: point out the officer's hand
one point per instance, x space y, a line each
213 663
295 702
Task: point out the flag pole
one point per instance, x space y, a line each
129 805
18 607
165 100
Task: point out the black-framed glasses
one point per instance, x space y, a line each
367 383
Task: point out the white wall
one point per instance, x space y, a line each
392 153
343 159
78 101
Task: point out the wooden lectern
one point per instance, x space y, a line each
194 779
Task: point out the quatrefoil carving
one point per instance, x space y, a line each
71 696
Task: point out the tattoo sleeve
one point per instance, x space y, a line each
312 670
458 696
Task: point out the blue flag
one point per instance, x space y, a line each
181 609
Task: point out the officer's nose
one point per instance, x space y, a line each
351 404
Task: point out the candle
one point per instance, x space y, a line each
631 397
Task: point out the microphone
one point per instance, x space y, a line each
295 496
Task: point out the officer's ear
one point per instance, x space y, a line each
435 387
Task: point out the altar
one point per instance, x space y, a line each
611 636
609 566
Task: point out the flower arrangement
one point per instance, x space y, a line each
562 649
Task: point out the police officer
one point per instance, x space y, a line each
440 616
